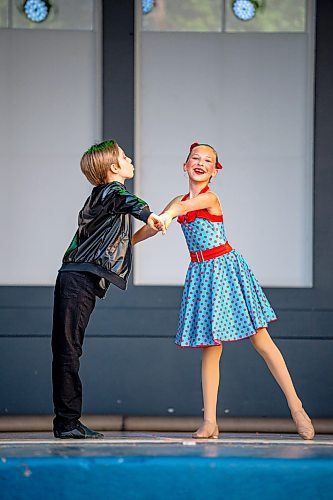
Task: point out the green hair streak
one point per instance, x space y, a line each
100 147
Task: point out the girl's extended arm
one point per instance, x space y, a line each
147 232
177 207
205 200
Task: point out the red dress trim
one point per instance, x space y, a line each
202 214
210 253
219 342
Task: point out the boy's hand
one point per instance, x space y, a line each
166 220
155 222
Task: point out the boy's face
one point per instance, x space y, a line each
126 169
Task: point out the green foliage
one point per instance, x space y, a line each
276 16
206 15
3 13
187 15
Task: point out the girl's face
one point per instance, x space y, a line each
125 165
201 164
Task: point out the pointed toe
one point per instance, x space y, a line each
303 424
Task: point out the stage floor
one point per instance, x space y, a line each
164 443
161 465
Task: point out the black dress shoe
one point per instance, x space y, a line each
80 432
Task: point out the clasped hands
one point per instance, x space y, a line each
159 222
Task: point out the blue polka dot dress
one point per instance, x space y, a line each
222 300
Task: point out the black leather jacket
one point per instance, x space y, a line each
102 243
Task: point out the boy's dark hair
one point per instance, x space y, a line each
97 159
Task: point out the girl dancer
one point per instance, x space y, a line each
222 300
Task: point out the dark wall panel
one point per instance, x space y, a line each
155 321
154 377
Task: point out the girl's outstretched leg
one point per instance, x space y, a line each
264 344
210 377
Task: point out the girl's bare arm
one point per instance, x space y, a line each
208 201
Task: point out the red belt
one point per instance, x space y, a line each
210 253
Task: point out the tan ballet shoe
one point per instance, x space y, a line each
208 430
303 424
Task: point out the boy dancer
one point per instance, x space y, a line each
99 254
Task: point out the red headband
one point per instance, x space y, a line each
195 144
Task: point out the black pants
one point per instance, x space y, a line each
74 300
